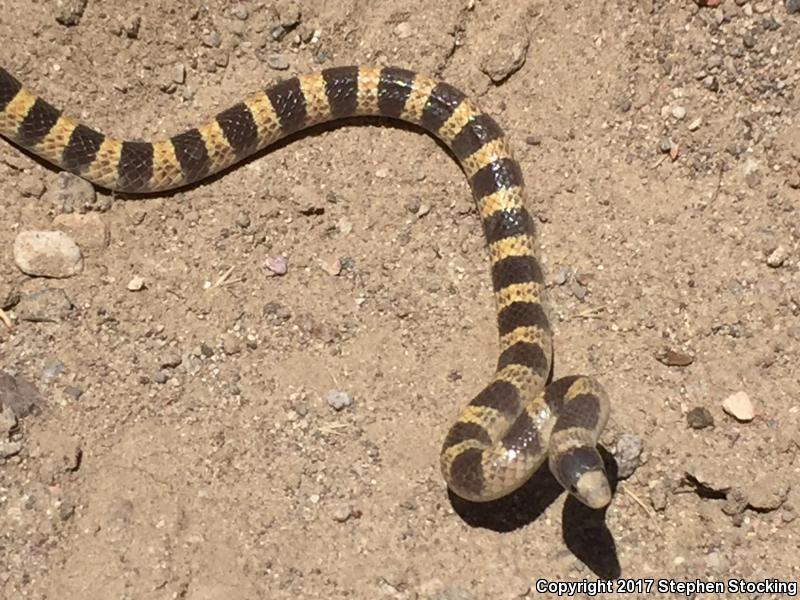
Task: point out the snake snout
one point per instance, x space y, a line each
580 470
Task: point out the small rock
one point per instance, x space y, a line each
506 58
331 265
735 502
714 561
132 27
793 6
73 392
344 226
31 186
136 284
47 254
739 406
212 39
628 454
277 265
240 12
8 421
231 344
66 510
694 125
243 220
563 275
777 257
403 30
706 475
48 305
71 13
9 294
9 449
673 358
338 400
88 230
711 83
161 377
699 418
679 112
20 395
171 359
71 193
179 74
665 145
533 140
278 62
288 13
307 200
52 369
579 290
344 513
768 492
658 495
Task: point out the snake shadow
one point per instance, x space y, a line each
584 530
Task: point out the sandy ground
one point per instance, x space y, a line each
183 443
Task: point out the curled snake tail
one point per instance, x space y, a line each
504 433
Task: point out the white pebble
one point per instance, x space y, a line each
739 406
136 284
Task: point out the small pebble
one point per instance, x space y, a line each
699 418
344 226
665 145
777 257
338 400
136 284
739 406
694 125
505 59
212 39
243 220
231 344
160 377
793 6
563 275
679 112
277 265
331 265
8 421
171 359
289 13
344 513
20 395
658 495
628 454
9 449
768 492
71 12
52 369
278 62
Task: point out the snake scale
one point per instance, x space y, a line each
517 421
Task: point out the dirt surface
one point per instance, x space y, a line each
182 440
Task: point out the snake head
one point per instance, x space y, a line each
580 471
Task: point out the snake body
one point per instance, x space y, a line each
517 421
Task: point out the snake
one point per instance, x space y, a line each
521 418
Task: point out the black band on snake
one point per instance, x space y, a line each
508 429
